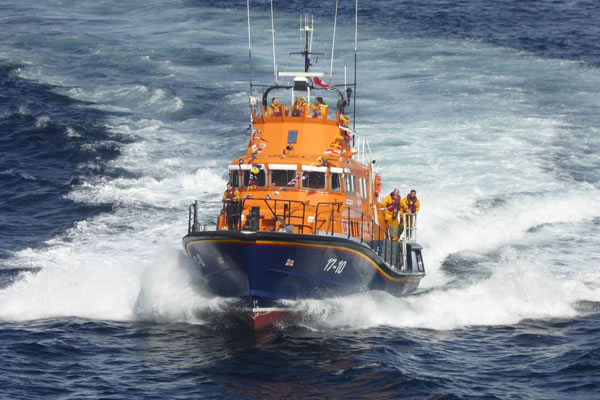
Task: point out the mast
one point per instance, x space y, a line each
306 29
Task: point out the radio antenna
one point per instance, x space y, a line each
249 46
273 34
333 45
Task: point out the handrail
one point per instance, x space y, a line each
331 218
193 217
409 221
273 211
393 253
191 212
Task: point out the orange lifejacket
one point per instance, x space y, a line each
377 185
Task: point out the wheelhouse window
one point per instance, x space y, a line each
335 179
349 183
363 188
234 177
283 175
314 177
336 182
260 178
313 180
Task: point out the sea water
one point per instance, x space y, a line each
115 116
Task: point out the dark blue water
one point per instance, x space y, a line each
72 358
40 162
114 117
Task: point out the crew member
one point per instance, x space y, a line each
320 109
410 206
297 109
231 205
411 202
392 205
231 194
276 109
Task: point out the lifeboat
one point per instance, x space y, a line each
307 221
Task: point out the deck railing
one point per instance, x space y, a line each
292 216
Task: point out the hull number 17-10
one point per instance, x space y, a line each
334 265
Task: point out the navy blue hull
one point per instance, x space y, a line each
263 268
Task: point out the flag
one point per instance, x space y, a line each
319 82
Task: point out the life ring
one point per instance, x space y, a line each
377 185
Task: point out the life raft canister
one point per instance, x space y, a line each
377 185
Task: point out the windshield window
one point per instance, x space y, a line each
336 183
260 178
313 180
234 177
283 178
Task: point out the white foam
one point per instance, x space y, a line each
24 111
43 121
475 230
516 291
85 284
175 191
72 132
171 293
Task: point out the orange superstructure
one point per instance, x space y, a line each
308 181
